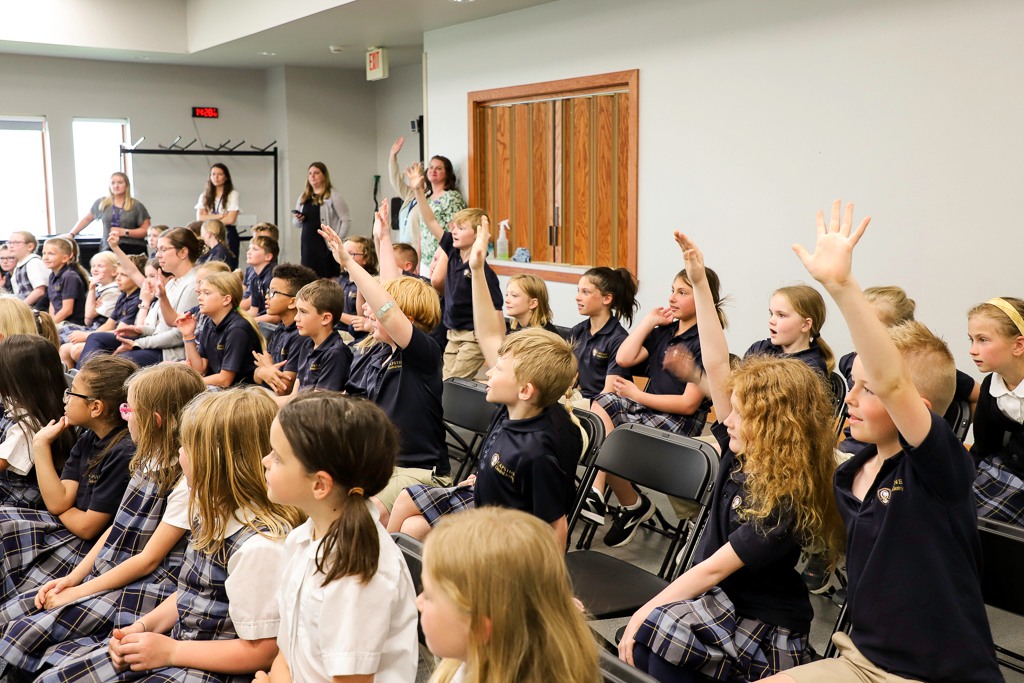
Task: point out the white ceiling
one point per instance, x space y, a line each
397 25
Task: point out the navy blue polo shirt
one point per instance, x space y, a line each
811 356
658 342
914 562
284 345
256 286
218 253
365 363
324 367
530 464
66 283
406 384
351 305
126 308
409 273
102 488
595 355
229 346
767 587
458 288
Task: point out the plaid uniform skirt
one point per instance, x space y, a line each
621 410
706 635
436 501
36 547
999 492
97 667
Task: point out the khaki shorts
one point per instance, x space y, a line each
404 477
850 667
462 355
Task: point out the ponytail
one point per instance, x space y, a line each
622 285
352 441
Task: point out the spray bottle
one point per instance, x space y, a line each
501 248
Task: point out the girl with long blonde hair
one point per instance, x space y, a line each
219 620
121 215
742 611
516 624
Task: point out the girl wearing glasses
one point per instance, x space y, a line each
82 497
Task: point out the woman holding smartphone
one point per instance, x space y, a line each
318 204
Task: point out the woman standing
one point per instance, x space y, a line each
445 201
219 201
122 215
318 204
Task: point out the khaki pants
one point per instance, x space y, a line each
850 667
462 356
404 477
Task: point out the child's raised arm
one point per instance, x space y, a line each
488 324
398 326
382 231
714 349
130 269
415 175
887 376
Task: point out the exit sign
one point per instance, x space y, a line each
376 64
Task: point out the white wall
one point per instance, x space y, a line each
399 101
753 115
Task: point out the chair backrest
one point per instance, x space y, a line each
1002 549
958 415
594 428
614 670
465 405
564 332
837 383
412 551
672 464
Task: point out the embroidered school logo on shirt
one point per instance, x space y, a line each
600 356
220 347
884 496
502 469
736 502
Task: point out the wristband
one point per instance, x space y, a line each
384 309
190 339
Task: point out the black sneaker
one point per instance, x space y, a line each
626 523
593 507
839 597
817 576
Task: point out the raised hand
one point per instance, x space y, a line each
382 220
113 240
478 255
831 262
693 259
186 324
414 174
335 244
397 146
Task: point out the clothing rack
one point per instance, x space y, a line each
218 152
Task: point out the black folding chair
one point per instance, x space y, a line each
564 332
671 464
594 428
1002 549
958 415
614 670
412 552
837 384
465 408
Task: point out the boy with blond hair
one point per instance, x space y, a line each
913 552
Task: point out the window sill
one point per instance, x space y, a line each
549 272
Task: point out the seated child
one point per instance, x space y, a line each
266 230
526 303
362 251
451 277
996 330
277 366
606 297
101 295
482 592
528 459
402 373
215 236
324 358
67 286
125 312
262 259
30 275
796 315
912 553
222 351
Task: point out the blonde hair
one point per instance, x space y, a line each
542 359
225 436
808 303
104 256
929 361
230 285
128 201
516 581
416 299
162 390
1004 323
789 452
217 231
471 216
534 288
211 268
891 304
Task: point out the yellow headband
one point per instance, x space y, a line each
1011 312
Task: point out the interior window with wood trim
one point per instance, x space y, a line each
558 160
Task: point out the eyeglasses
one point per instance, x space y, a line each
68 394
125 410
271 293
163 249
16 242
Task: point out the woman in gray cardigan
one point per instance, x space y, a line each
320 203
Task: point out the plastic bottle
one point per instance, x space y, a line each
501 250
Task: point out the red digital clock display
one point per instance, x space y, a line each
205 112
